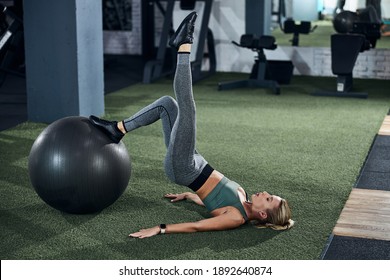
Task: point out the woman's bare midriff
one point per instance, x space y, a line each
210 184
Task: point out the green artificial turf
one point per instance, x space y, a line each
307 149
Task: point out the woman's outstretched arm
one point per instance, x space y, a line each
228 220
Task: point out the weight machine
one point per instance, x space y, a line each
11 43
159 67
260 74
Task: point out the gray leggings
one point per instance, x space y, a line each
183 165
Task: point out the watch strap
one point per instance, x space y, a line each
162 228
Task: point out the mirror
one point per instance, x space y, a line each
311 23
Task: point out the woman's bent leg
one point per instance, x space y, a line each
164 108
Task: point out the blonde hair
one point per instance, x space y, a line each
278 218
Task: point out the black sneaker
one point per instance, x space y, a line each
108 127
185 31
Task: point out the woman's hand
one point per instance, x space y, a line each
176 196
183 196
148 232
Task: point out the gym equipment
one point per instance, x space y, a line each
160 67
366 23
260 70
356 35
343 21
117 15
291 27
339 7
280 12
76 168
187 4
11 44
345 49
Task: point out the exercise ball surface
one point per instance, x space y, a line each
343 22
75 168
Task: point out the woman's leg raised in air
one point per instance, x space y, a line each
182 163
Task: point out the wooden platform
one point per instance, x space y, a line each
385 128
365 215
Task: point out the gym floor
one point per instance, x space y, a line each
357 242
366 237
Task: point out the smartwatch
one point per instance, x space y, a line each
163 228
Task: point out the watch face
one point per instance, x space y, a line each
163 226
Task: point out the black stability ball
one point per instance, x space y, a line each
76 168
343 22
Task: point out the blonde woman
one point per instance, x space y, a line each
226 201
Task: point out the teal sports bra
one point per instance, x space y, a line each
224 194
